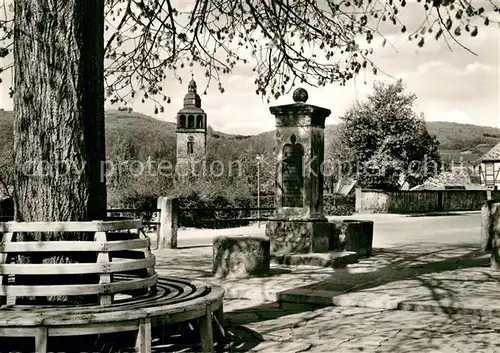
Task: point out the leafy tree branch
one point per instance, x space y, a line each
286 41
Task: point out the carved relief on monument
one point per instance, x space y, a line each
292 174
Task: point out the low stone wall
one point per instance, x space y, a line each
406 202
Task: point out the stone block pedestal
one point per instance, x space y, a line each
486 238
352 235
308 242
300 236
240 256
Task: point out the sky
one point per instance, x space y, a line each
450 85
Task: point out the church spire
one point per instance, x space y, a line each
192 85
192 99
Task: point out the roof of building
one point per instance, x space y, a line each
492 155
192 100
347 187
444 186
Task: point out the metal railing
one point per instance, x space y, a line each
222 215
146 214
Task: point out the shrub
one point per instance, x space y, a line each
339 205
199 210
202 212
221 215
136 200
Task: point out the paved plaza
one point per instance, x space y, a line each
267 328
389 230
427 288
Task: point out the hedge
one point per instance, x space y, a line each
200 212
139 202
197 212
7 209
339 205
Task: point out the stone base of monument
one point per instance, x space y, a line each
300 236
308 242
352 235
319 242
240 256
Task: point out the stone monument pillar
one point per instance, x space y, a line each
299 225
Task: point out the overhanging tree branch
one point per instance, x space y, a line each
316 42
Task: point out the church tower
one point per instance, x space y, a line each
191 134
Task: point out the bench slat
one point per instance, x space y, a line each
76 268
78 289
94 226
71 246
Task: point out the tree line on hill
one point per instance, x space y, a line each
380 137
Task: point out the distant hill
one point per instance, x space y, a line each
143 136
455 136
463 142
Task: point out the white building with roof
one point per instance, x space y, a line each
489 169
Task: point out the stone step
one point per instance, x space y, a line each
310 296
334 259
305 296
403 300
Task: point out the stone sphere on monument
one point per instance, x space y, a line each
300 95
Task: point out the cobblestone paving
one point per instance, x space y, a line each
338 329
402 277
434 279
197 264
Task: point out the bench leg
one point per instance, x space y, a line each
219 322
41 337
219 314
206 333
143 342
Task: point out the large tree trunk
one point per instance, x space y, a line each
59 115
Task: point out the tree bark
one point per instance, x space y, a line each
59 115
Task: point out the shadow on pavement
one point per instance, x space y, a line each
402 263
194 247
387 266
439 214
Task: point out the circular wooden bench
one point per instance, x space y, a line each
130 297
125 264
175 301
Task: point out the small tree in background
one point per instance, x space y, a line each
386 139
335 168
